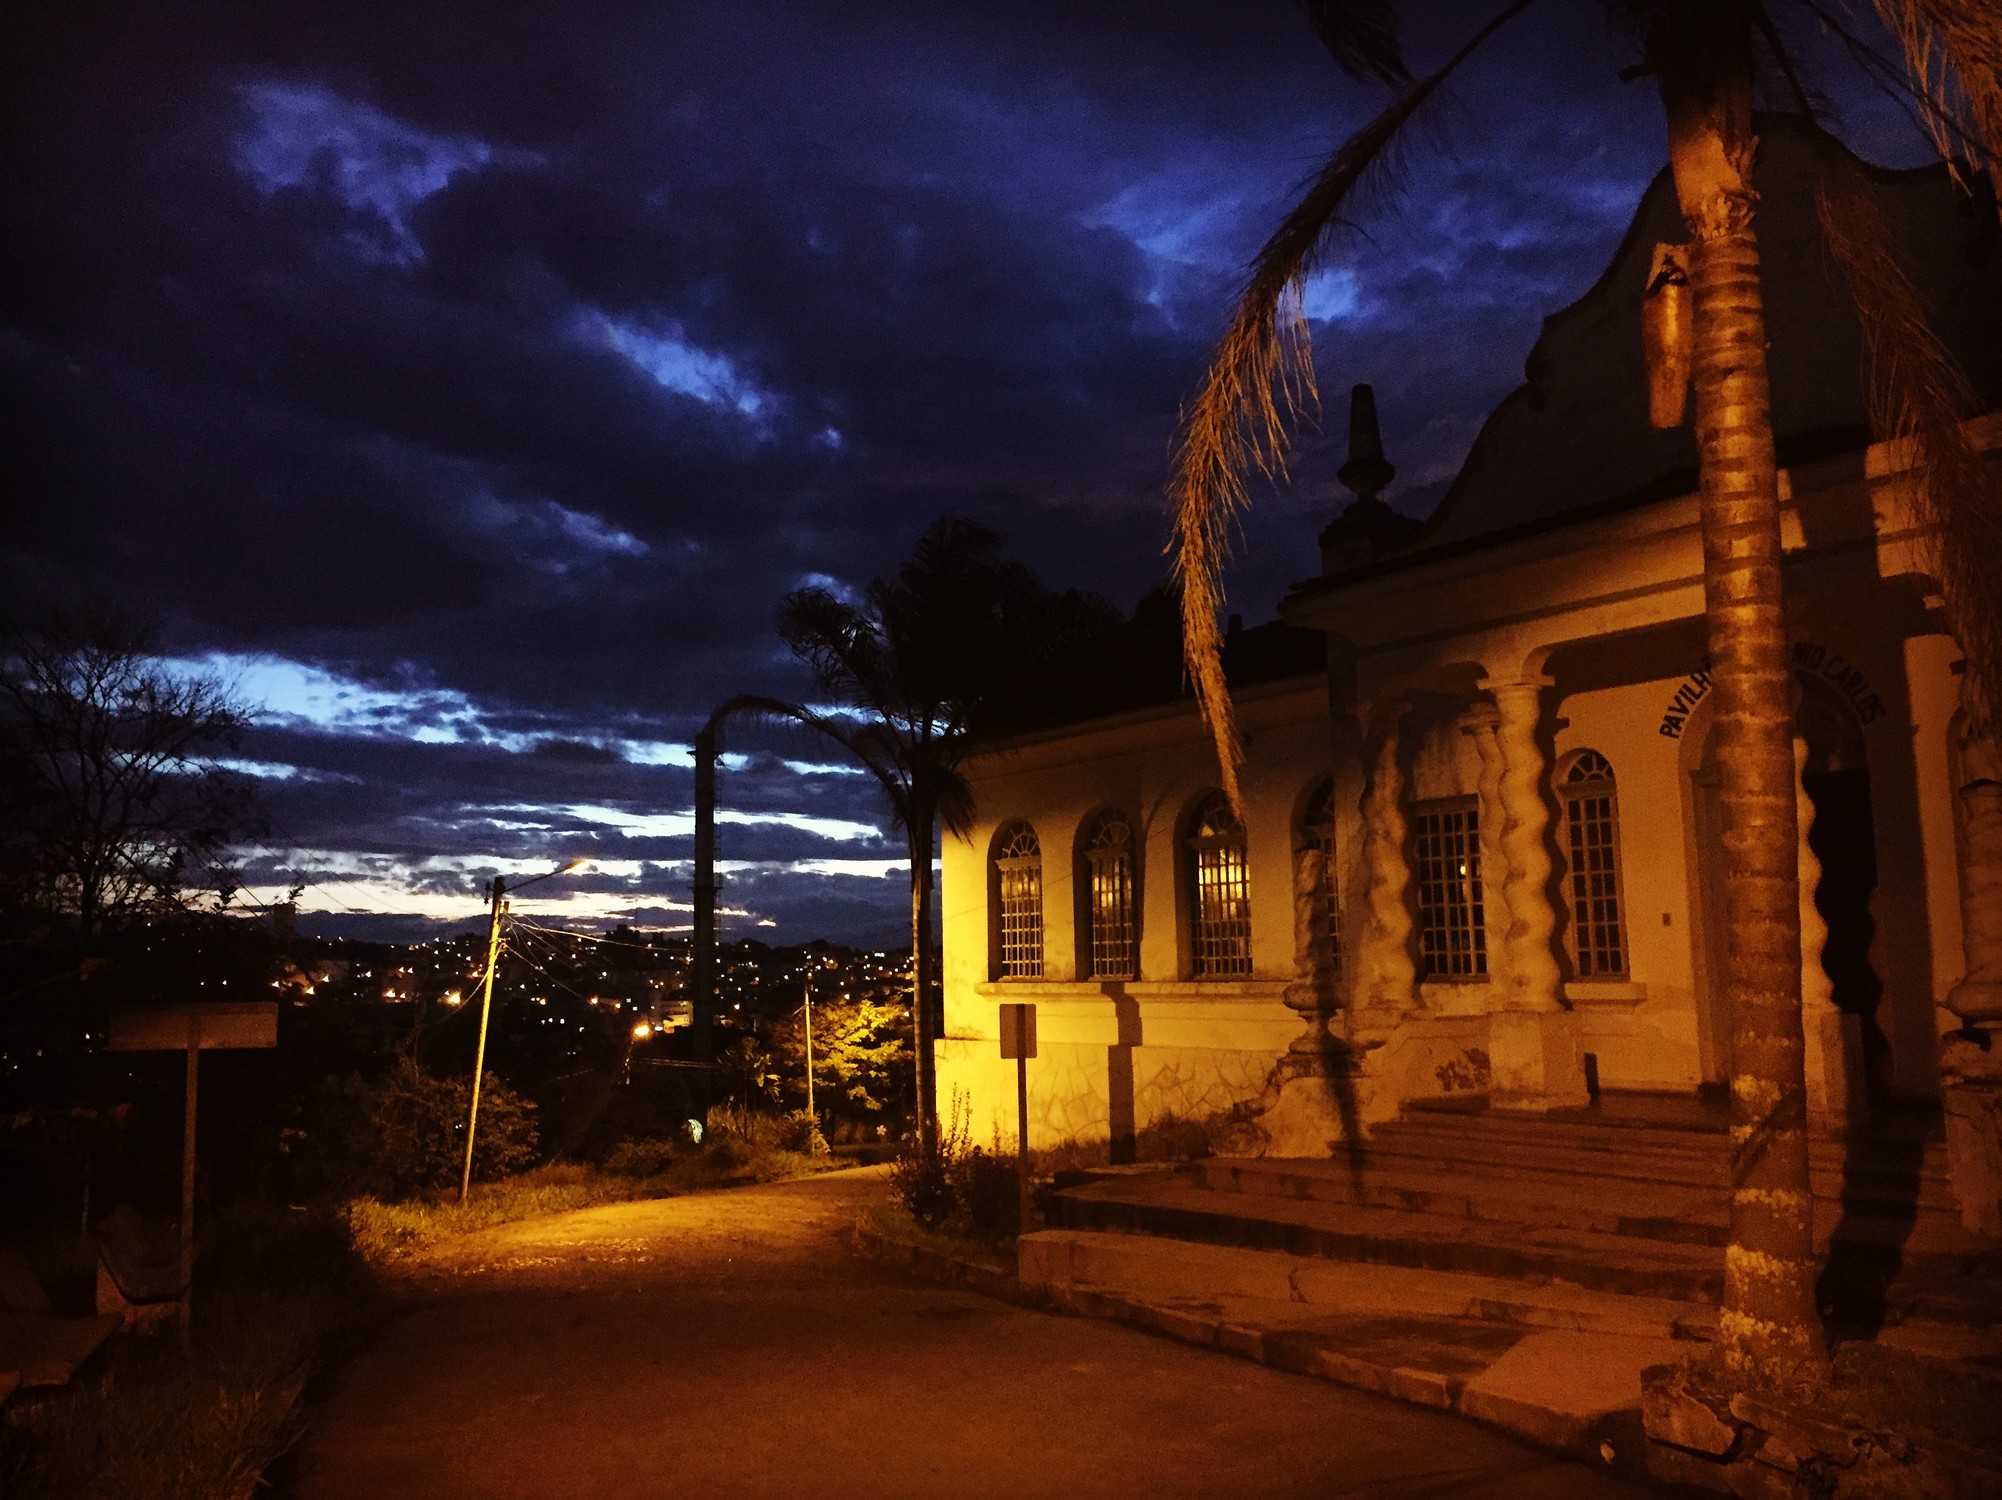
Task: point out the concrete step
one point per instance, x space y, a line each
1152 1269
1419 1132
1687 1215
1610 1205
1170 1206
1864 1181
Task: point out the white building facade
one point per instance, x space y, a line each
1480 851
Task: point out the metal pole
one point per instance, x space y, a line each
480 1052
702 948
806 984
188 1171
1022 1124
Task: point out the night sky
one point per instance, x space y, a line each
468 385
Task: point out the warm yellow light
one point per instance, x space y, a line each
452 997
642 1031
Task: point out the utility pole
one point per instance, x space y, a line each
486 1009
500 890
806 984
702 957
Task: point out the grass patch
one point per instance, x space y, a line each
275 1300
386 1232
893 1222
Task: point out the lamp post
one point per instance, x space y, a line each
500 890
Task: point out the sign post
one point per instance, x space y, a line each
1018 1040
198 1027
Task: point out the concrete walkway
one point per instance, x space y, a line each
734 1344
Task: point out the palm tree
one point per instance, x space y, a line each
954 649
1706 57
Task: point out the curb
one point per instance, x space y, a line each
1557 1432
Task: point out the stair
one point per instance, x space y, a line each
1635 1207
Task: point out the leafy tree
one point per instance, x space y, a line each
1707 59
112 802
958 646
403 1133
861 1059
748 1078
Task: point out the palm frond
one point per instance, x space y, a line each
1917 396
1258 384
1361 36
1953 51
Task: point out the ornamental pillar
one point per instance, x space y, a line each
1971 1057
1484 725
1535 1047
1834 1042
1389 979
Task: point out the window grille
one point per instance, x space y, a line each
1221 938
1592 832
1109 858
1018 871
1452 927
1318 827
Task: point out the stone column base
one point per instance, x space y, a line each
1971 1096
1305 1120
1834 1057
1536 1060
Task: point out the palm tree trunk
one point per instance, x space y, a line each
923 962
1770 1330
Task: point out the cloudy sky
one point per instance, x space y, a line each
467 384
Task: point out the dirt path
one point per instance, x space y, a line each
733 1343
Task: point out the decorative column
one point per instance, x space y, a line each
1388 987
1484 724
1312 990
1834 1042
1971 1057
1534 1043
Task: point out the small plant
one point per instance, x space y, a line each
800 1131
990 1194
405 1133
924 1176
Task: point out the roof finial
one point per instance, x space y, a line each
1367 470
1367 528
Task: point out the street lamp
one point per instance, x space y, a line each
500 890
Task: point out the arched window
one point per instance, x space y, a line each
1317 830
1592 837
1018 890
1108 887
1220 926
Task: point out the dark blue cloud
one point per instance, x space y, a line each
504 369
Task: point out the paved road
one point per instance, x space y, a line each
733 1344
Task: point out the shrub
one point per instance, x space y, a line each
800 1131
405 1133
275 1298
925 1177
642 1158
989 1190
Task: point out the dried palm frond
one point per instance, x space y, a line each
1953 49
1361 36
1917 396
1258 384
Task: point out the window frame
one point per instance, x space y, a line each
1317 828
1099 936
1581 919
1017 937
1220 942
1467 960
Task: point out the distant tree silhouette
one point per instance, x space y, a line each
112 801
960 646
